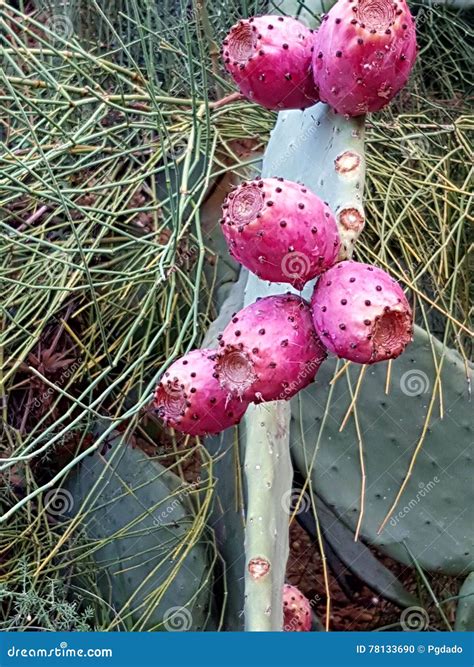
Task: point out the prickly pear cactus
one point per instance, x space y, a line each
155 576
465 608
227 512
361 313
296 610
338 178
273 324
280 230
190 399
432 517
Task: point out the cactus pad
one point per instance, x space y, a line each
432 517
147 568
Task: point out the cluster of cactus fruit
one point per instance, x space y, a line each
273 348
284 233
357 61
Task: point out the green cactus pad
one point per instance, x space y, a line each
465 609
433 517
153 572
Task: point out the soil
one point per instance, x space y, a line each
358 608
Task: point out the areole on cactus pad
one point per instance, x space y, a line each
280 230
269 58
270 350
361 313
363 54
190 398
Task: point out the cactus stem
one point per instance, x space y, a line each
339 180
268 473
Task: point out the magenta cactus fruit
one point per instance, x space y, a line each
190 399
363 54
270 350
296 610
269 58
361 313
280 230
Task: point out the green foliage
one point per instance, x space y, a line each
54 609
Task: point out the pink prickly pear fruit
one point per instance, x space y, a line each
296 610
280 230
270 350
269 58
361 313
190 399
363 54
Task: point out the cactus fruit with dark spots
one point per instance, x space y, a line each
361 313
269 58
280 230
270 350
363 54
296 610
190 399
